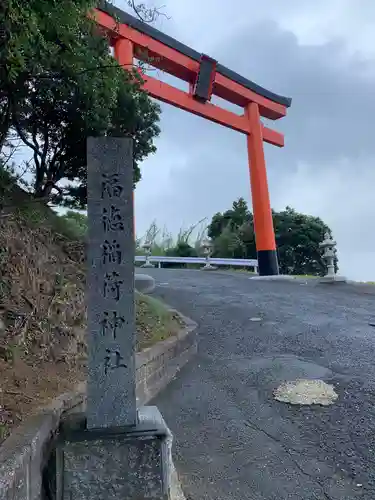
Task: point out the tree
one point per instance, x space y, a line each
73 90
130 113
26 44
216 226
182 249
240 213
297 238
235 217
229 245
247 236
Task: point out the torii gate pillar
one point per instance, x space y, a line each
262 213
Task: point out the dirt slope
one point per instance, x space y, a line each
42 309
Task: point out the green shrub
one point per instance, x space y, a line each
75 223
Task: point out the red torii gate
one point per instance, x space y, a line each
132 38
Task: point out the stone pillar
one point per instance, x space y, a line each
108 453
147 248
111 397
328 246
207 250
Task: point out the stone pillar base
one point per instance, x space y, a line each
148 265
333 279
116 463
208 267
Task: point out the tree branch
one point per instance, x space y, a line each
53 173
146 15
48 189
46 144
12 149
34 135
24 139
21 133
5 123
88 70
37 167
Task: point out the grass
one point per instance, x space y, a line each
4 431
37 213
162 240
42 307
154 322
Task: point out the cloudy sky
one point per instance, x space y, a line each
322 54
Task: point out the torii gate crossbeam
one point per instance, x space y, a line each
131 38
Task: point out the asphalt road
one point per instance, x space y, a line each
232 439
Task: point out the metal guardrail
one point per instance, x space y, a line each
155 259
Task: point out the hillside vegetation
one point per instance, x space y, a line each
42 307
232 235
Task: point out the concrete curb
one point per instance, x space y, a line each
157 365
25 454
316 280
278 277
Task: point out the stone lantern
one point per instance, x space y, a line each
147 248
207 248
328 246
